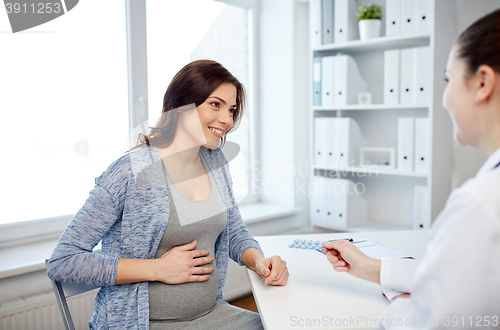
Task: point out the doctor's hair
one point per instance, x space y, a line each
193 84
480 43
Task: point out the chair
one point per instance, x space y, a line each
65 290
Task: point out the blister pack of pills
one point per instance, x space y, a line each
304 244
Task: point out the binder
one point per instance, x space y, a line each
421 72
327 21
408 16
421 145
345 21
348 142
320 130
393 18
331 143
348 81
391 76
318 202
317 81
407 81
315 23
344 206
424 16
405 143
328 80
421 208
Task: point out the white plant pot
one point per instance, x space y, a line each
369 28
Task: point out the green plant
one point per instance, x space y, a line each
369 12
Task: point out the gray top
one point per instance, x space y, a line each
189 220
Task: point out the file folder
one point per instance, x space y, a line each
318 202
348 81
328 75
424 16
348 141
343 204
421 208
320 130
407 81
421 73
345 21
405 143
317 81
408 16
331 143
327 7
393 18
421 145
391 76
315 23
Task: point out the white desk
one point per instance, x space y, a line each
316 296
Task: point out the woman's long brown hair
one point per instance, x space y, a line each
193 84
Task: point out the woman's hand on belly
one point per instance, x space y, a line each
181 264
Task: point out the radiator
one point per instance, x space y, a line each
41 312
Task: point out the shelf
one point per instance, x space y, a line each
371 107
381 43
379 171
377 226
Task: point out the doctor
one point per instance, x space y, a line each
457 283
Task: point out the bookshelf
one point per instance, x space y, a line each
389 192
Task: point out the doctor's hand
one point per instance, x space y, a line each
346 257
272 270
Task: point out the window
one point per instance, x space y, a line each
65 100
64 109
179 32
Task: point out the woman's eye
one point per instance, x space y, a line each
233 111
446 79
215 104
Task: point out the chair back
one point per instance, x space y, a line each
65 290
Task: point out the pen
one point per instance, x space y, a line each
341 239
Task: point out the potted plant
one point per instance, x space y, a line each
370 21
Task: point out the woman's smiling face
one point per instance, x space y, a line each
216 113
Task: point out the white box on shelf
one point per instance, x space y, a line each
421 71
345 21
421 145
318 201
315 23
348 81
365 98
424 16
349 141
327 7
407 80
328 77
421 208
381 157
320 142
391 76
346 207
393 18
406 136
317 81
331 137
408 16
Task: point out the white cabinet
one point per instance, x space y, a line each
390 192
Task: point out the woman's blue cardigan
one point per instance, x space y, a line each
128 210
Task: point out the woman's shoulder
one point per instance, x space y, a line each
129 165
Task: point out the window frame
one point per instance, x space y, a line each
26 232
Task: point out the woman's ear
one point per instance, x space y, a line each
486 80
